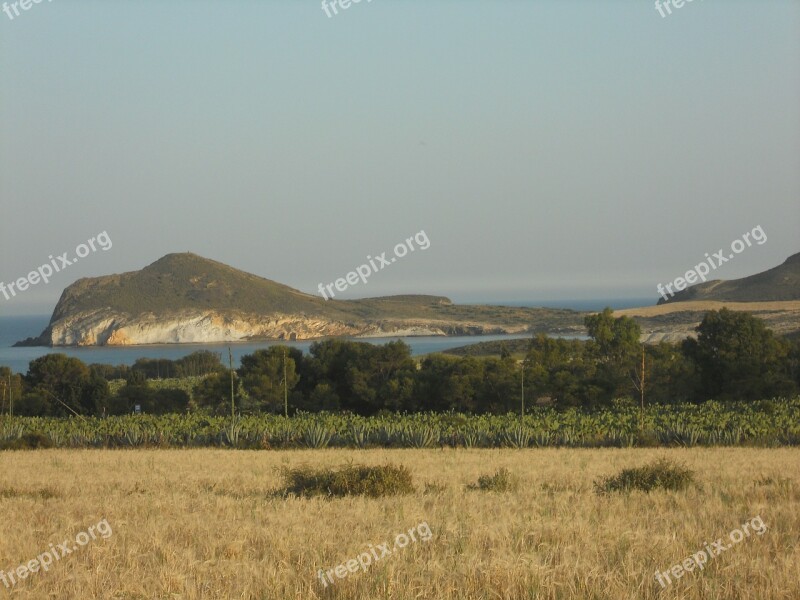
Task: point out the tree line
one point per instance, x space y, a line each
733 357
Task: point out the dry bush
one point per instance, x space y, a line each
352 480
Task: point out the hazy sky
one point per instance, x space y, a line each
549 149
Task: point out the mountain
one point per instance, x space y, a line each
780 283
185 298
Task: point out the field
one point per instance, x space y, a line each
675 320
204 523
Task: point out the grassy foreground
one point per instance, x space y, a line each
203 523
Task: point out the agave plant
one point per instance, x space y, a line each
543 438
389 434
232 432
678 435
472 438
766 423
359 435
133 436
317 435
517 437
420 437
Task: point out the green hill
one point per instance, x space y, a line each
780 283
185 297
181 281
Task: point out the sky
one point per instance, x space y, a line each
548 149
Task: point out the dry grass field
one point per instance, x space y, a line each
707 305
190 524
674 321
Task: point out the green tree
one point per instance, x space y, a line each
670 377
614 340
615 347
150 400
65 383
448 383
499 392
213 393
11 389
392 372
96 395
364 377
262 375
198 363
35 404
109 372
563 370
737 357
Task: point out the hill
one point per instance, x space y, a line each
781 283
185 298
180 281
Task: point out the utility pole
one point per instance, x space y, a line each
642 390
230 362
4 396
522 391
285 387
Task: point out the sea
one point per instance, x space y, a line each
14 329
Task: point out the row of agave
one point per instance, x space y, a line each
774 423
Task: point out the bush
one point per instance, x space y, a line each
501 481
37 494
660 474
352 480
29 441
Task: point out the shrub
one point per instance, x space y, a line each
352 480
661 474
501 481
29 441
42 494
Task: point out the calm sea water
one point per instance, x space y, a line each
13 329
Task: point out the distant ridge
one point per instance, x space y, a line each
781 283
185 298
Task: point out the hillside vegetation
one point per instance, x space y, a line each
188 295
781 283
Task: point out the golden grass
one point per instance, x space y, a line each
706 305
190 524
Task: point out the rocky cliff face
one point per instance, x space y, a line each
101 328
105 328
